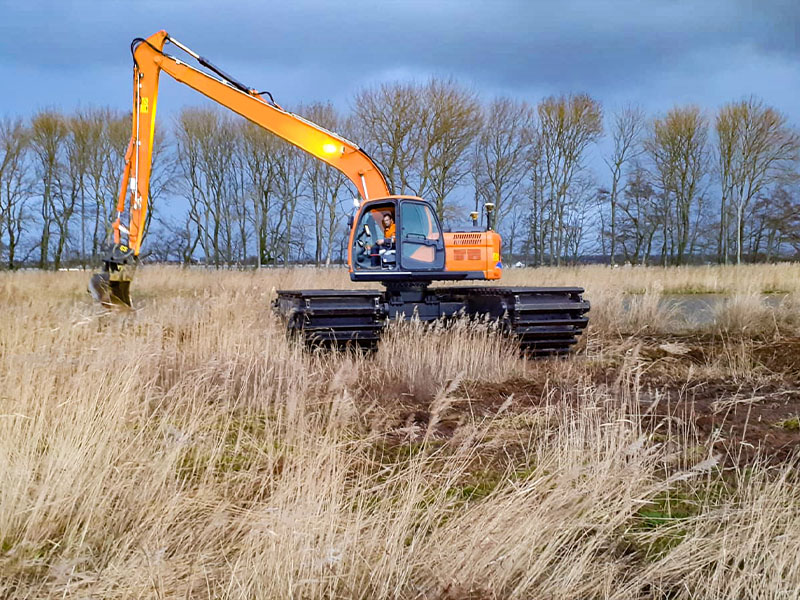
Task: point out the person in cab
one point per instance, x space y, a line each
387 242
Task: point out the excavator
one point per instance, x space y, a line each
395 240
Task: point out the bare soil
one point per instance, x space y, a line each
742 415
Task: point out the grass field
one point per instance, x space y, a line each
188 449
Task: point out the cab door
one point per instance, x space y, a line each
365 236
420 240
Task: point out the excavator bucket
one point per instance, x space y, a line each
112 286
110 292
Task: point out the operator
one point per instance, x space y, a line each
388 241
388 232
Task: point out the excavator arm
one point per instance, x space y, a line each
112 285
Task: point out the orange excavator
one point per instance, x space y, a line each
395 240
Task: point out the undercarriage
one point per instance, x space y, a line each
544 320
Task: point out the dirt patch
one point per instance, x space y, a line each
740 395
686 386
745 420
781 356
747 404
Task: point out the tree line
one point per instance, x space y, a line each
568 181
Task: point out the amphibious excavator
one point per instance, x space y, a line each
395 240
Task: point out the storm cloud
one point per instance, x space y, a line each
656 53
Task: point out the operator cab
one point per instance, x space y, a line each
395 236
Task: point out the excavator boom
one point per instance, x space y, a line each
149 60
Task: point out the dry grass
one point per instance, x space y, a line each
616 313
188 449
766 279
749 313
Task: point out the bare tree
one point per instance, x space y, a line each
291 168
240 192
15 186
568 125
258 148
162 174
755 148
538 216
85 132
277 174
96 123
389 119
206 149
48 135
778 223
115 137
626 132
582 202
326 187
419 135
501 152
677 147
192 184
516 227
638 222
452 121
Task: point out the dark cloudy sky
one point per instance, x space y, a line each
656 53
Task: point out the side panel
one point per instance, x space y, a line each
474 251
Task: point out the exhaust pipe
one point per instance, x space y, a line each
112 286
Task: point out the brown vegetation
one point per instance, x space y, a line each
189 449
